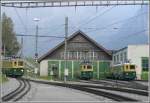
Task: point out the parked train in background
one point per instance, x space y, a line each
86 71
13 67
124 71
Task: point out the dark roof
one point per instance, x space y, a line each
121 49
70 37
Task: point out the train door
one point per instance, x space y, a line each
53 71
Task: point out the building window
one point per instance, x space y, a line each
117 58
90 55
125 57
121 57
62 55
96 56
80 55
114 58
145 63
74 55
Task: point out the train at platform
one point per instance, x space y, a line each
13 67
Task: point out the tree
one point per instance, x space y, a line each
9 40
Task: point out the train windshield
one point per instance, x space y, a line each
20 63
89 67
132 66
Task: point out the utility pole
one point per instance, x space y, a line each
4 50
22 47
36 39
65 54
36 43
0 51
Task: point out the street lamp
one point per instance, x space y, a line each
36 38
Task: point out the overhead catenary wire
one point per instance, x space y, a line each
113 23
21 21
84 19
55 29
25 26
128 36
101 14
40 36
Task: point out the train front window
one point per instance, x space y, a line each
84 66
132 66
15 63
20 63
89 67
126 66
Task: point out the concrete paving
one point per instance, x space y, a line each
143 83
130 95
47 93
9 86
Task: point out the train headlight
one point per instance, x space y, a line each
126 73
22 70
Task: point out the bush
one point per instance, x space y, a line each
144 75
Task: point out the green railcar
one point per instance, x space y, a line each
124 71
13 67
86 71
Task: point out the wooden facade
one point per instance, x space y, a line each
79 47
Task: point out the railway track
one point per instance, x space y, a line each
95 90
23 88
118 83
134 84
103 93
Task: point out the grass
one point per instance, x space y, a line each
3 79
44 77
144 75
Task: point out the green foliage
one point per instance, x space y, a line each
45 77
3 78
32 61
144 75
9 36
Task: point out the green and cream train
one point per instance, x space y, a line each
86 71
124 71
13 67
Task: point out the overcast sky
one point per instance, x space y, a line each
103 24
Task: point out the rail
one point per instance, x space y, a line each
19 92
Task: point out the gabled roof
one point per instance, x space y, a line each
69 38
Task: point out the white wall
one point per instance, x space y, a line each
135 52
44 68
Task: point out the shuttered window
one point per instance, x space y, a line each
145 63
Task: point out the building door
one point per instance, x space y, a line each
53 71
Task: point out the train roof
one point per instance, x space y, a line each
10 59
124 64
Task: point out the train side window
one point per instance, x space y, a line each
84 66
126 66
15 63
88 67
20 63
132 66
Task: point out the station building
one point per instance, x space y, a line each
136 54
80 47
